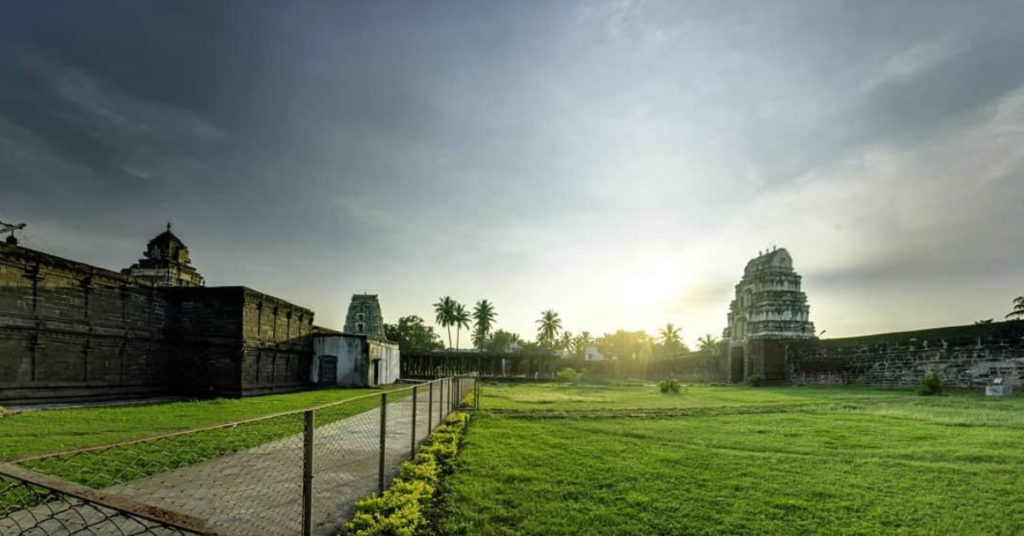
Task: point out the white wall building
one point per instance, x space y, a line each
591 354
353 360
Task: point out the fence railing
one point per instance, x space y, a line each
298 472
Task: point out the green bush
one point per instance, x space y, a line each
861 381
755 380
931 384
567 375
669 385
399 511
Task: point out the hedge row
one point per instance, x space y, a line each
399 511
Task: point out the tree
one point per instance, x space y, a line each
413 335
707 342
461 320
445 315
623 344
669 338
483 316
566 342
550 325
501 341
580 344
1018 309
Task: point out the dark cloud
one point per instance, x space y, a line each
341 143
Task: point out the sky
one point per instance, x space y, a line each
616 161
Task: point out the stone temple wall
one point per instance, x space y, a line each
71 331
965 356
68 329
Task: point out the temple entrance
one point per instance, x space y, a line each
737 365
375 379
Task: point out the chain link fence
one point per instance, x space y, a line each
293 473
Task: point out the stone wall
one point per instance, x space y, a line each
68 329
698 367
965 356
73 331
277 342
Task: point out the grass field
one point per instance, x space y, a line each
34 432
547 459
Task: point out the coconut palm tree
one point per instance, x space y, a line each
1018 308
707 342
566 342
582 341
669 337
445 313
483 316
549 328
460 318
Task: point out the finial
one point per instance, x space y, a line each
168 226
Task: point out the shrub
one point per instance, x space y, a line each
931 384
567 375
669 385
861 381
755 380
399 511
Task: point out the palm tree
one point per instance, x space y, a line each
445 311
460 319
1018 308
483 315
707 342
550 326
566 342
583 340
669 336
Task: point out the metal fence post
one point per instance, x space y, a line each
307 474
412 451
383 439
476 396
440 403
430 408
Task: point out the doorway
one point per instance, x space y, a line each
737 366
328 370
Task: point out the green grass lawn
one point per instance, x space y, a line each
548 459
34 432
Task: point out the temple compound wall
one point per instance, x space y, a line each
69 330
965 356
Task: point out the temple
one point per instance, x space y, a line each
364 316
768 312
166 263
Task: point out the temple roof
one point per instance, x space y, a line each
778 258
166 239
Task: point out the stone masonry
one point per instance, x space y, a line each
364 316
69 330
768 311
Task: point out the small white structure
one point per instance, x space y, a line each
354 360
591 354
999 388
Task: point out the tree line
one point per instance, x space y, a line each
413 334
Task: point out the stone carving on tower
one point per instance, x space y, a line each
166 263
364 316
769 303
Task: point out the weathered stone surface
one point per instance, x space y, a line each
965 356
71 331
365 316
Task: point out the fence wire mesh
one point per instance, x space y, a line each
272 475
32 509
